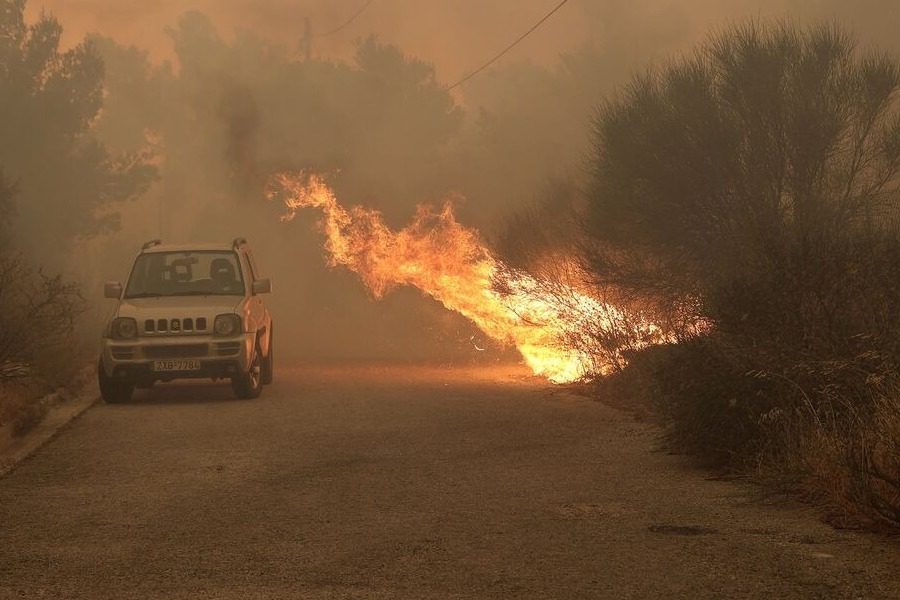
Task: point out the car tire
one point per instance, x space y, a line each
268 363
248 385
112 390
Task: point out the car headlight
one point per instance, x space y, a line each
227 325
124 328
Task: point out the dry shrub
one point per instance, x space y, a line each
760 175
37 326
849 460
37 316
828 432
709 403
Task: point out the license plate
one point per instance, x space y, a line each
176 364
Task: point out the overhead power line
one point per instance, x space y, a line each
349 21
508 48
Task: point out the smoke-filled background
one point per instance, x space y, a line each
181 110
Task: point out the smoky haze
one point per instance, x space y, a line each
452 35
218 95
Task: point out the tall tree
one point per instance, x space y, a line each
68 182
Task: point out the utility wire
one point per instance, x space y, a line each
507 49
349 21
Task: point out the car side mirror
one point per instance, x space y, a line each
112 289
262 286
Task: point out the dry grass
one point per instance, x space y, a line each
21 405
852 466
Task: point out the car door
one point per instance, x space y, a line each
258 314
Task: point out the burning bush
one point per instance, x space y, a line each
546 240
562 332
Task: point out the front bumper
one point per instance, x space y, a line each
219 357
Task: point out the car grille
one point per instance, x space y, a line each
175 326
179 351
228 348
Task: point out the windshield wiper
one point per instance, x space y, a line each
144 295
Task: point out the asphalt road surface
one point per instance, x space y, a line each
402 483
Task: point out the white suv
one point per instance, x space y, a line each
188 311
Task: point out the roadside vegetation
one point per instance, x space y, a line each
58 185
746 196
38 347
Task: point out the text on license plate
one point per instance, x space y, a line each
177 364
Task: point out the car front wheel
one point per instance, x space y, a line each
113 391
248 385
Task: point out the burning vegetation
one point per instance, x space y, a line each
449 262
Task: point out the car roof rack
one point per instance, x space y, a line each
238 242
150 244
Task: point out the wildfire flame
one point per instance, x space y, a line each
450 263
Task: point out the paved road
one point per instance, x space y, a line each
401 483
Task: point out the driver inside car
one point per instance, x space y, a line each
223 276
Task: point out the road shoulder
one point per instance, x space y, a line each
64 407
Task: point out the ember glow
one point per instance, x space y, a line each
450 263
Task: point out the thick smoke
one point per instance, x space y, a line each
220 94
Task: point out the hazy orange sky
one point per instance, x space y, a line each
455 35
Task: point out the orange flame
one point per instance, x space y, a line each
449 262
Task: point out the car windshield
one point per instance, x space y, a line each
185 274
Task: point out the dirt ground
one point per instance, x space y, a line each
402 483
